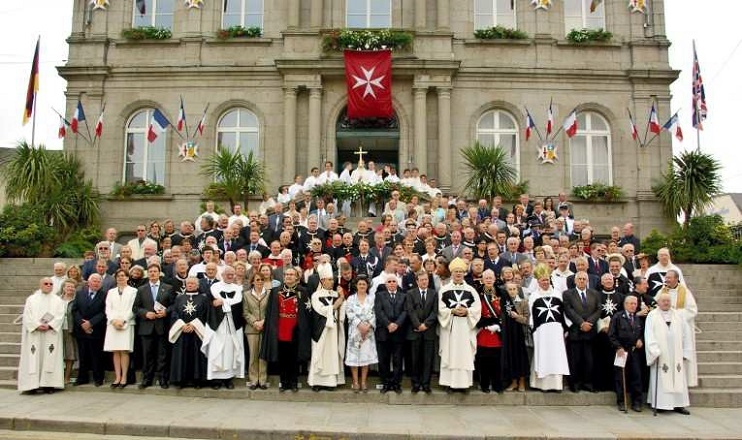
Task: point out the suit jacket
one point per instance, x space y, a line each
204 287
264 250
450 254
372 266
513 257
108 282
622 334
234 244
385 252
93 311
144 303
593 281
421 313
591 267
578 314
388 312
496 266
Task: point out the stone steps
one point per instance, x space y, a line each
723 381
705 336
9 360
10 337
719 356
714 345
719 317
710 326
716 368
10 347
9 373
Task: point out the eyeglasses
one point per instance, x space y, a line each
47 284
141 230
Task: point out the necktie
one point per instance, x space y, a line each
394 297
226 246
153 288
631 319
422 295
597 266
92 295
252 247
583 298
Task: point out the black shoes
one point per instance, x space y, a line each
636 407
681 410
253 386
415 389
427 390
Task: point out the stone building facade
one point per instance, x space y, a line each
283 97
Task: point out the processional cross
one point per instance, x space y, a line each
360 154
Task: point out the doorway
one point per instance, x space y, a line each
378 136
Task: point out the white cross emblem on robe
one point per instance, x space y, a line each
609 307
550 309
458 301
189 308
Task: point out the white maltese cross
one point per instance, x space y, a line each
369 81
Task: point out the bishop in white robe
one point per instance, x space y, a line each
682 300
328 334
459 310
667 341
42 354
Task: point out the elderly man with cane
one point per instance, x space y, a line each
626 334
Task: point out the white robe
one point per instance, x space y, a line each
688 312
225 347
42 353
667 350
549 363
458 339
326 365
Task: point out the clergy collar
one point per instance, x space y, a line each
192 293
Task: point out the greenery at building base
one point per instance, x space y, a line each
49 201
490 172
595 192
235 175
500 33
239 32
139 187
366 39
147 33
706 239
690 184
365 192
579 36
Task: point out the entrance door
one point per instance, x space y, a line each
378 136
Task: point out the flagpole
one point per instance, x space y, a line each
633 126
90 136
185 120
97 139
698 140
33 123
646 132
68 124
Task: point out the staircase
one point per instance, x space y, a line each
719 347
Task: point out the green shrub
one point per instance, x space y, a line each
77 243
366 39
139 187
598 191
500 33
147 33
239 32
579 36
24 232
706 240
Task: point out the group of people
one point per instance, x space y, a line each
477 293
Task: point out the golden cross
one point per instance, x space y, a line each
360 153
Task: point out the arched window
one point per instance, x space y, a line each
498 128
246 13
238 130
144 160
158 13
489 13
368 13
577 15
590 151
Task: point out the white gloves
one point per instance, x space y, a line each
494 328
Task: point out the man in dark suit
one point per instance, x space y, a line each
228 242
90 330
494 261
596 265
380 249
365 262
208 279
582 307
254 245
581 265
391 318
455 248
151 305
275 222
626 334
422 311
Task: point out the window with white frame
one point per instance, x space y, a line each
144 160
577 15
245 13
158 13
490 13
498 128
238 130
368 13
590 151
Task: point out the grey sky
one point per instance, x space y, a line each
714 26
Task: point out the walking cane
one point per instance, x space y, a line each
656 384
623 382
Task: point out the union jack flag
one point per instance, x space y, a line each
700 109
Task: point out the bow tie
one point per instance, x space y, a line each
226 295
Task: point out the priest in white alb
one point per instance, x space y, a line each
459 310
328 334
667 341
42 355
682 300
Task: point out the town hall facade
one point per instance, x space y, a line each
283 97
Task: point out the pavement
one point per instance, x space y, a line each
114 415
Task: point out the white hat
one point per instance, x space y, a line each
324 271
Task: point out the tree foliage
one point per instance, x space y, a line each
490 171
690 184
706 239
236 176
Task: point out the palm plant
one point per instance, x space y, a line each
55 182
236 176
689 185
490 171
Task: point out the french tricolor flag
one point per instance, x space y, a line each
550 119
570 124
159 124
99 124
78 117
673 122
634 130
62 128
654 121
181 116
530 125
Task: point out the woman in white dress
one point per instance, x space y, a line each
120 328
361 351
547 321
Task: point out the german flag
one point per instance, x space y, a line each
33 85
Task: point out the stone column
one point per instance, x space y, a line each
443 14
289 134
420 12
293 18
315 127
315 14
444 138
421 156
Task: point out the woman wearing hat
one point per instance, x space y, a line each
328 335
